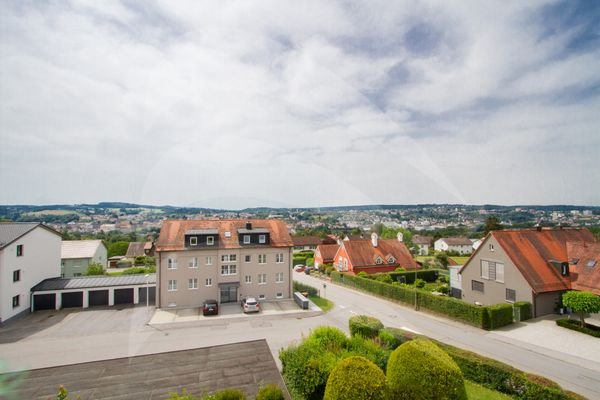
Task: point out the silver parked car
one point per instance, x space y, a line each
250 304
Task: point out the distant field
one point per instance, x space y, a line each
50 212
460 260
424 258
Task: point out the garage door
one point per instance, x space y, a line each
44 301
151 296
73 299
98 297
124 296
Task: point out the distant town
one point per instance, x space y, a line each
82 220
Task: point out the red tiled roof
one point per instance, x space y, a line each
172 232
531 251
418 239
362 253
327 251
585 273
135 249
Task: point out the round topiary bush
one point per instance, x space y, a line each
367 327
421 370
270 392
355 378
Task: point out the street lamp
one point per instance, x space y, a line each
147 298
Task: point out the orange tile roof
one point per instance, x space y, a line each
584 259
531 251
362 253
172 232
327 251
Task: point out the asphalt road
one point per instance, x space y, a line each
51 338
573 373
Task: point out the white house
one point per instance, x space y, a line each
77 255
29 253
461 245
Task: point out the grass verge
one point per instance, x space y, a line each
322 303
478 392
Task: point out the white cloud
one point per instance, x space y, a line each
241 104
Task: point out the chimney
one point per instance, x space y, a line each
249 225
374 239
400 237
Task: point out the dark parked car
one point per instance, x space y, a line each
210 307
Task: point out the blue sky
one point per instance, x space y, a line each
237 104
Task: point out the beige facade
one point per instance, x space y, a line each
227 275
479 286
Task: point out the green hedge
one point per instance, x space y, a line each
356 378
499 315
457 309
301 287
576 326
428 275
270 392
299 261
392 337
526 309
365 326
504 378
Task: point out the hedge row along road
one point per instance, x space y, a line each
572 373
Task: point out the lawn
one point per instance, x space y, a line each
478 392
322 303
460 260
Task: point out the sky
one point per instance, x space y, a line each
235 104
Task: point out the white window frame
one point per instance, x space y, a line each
208 282
228 269
208 260
262 279
17 303
248 258
246 239
210 240
248 279
279 258
262 239
279 295
193 283
506 295
172 287
262 258
262 297
193 241
171 263
193 263
279 277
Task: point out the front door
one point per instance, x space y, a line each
229 294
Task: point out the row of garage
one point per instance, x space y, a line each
84 292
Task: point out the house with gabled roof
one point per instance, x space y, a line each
584 265
375 255
522 265
422 244
461 245
225 260
310 243
325 254
77 255
29 253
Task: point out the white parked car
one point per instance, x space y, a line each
250 304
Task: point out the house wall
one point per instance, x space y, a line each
494 292
185 297
71 267
40 260
546 303
345 265
423 249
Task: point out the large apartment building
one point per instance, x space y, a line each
225 260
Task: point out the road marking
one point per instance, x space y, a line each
352 312
342 307
410 330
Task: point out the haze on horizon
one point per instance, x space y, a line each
241 104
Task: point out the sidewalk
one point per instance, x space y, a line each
232 313
543 333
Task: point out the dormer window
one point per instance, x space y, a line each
262 239
246 239
193 241
227 234
391 260
210 240
378 261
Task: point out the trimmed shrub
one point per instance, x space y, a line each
226 394
362 274
576 326
391 338
355 378
364 326
310 262
428 275
421 370
383 278
328 338
419 283
400 269
298 260
329 270
301 287
499 315
526 309
270 392
503 378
